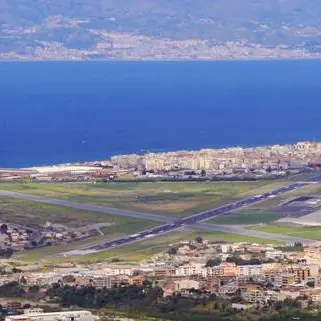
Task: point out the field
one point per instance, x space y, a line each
177 199
247 217
313 233
34 215
137 251
167 198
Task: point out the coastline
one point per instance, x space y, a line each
88 163
155 60
158 151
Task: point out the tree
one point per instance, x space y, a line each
4 228
68 279
16 270
11 289
6 253
156 293
199 239
26 306
172 250
310 284
147 284
115 260
236 299
213 262
34 289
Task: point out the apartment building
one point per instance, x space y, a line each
190 269
110 281
249 270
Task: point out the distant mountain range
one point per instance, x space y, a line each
143 28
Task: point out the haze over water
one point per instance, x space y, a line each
53 112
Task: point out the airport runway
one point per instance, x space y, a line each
171 223
195 220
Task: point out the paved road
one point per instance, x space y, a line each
88 207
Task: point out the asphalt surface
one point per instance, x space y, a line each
172 223
194 220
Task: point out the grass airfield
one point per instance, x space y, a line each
309 232
176 199
35 215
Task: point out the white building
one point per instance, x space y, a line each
110 281
249 270
55 316
190 270
274 254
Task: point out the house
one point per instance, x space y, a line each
290 292
168 288
227 289
186 284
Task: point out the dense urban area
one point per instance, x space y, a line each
127 46
226 163
195 279
159 30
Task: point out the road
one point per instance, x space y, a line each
172 223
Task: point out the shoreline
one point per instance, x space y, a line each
88 162
155 60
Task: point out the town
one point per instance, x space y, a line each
128 46
15 238
267 162
230 276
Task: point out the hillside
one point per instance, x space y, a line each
159 28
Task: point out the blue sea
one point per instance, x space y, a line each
53 112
